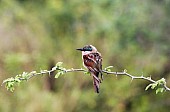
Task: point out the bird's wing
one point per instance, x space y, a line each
93 61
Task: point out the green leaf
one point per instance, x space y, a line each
108 69
158 85
160 90
154 85
25 75
10 86
163 90
57 75
59 64
147 87
125 70
161 81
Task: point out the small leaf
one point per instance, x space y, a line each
59 64
25 75
18 76
161 81
57 75
108 69
10 86
154 85
125 70
147 87
160 90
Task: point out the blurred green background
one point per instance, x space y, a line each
130 34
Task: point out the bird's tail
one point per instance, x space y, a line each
96 82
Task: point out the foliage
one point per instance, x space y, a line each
159 85
10 83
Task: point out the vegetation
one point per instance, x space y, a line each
131 34
10 83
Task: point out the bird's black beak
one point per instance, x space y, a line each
80 49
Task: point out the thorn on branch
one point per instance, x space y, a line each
131 79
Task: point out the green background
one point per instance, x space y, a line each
130 34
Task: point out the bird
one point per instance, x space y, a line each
92 60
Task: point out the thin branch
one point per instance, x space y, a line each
52 70
159 85
122 73
136 77
132 77
104 71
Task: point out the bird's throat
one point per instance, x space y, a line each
85 52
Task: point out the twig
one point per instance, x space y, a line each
50 71
160 85
136 77
132 77
104 71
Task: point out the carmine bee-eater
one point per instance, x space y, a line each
92 60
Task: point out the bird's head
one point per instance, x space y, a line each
87 49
